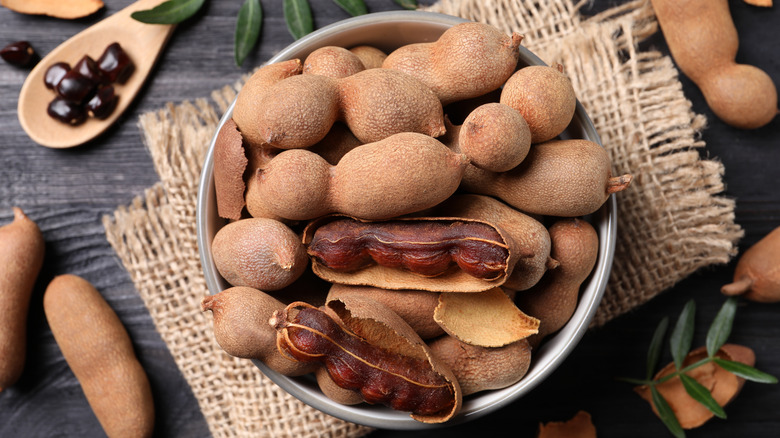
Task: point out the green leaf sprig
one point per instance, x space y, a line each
680 344
169 12
248 25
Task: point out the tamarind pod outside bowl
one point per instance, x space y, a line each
387 31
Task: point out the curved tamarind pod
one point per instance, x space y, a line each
566 178
372 181
421 253
21 260
467 60
575 245
370 349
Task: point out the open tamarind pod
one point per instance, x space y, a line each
485 319
467 60
432 254
483 368
248 106
528 233
413 306
241 328
372 181
566 178
757 276
370 349
553 300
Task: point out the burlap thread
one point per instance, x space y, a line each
672 221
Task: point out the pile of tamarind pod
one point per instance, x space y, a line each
408 226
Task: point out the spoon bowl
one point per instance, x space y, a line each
142 42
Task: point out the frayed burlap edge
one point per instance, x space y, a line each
671 221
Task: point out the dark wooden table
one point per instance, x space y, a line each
68 191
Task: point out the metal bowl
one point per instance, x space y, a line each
387 31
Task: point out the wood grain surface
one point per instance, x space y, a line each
68 191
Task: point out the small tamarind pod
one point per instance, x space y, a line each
757 274
21 259
370 349
413 306
100 353
544 96
423 253
379 102
554 299
370 56
483 368
332 61
566 178
241 328
467 60
372 181
495 137
527 233
247 105
260 253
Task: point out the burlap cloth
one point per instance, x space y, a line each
672 220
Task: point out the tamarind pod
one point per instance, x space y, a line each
21 259
394 374
428 248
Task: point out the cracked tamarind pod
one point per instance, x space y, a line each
424 253
369 349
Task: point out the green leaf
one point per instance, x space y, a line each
170 12
297 14
407 4
666 413
353 7
682 335
250 20
745 371
702 395
654 352
720 330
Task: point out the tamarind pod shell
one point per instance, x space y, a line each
757 275
100 353
20 263
453 280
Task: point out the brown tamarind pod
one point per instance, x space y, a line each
554 299
426 253
370 349
372 181
467 60
757 274
21 259
483 368
230 163
241 328
332 61
248 105
566 178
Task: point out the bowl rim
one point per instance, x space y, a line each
557 346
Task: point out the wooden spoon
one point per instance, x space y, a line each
142 42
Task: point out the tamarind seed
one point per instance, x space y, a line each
102 104
88 68
66 112
54 74
75 87
19 53
115 64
